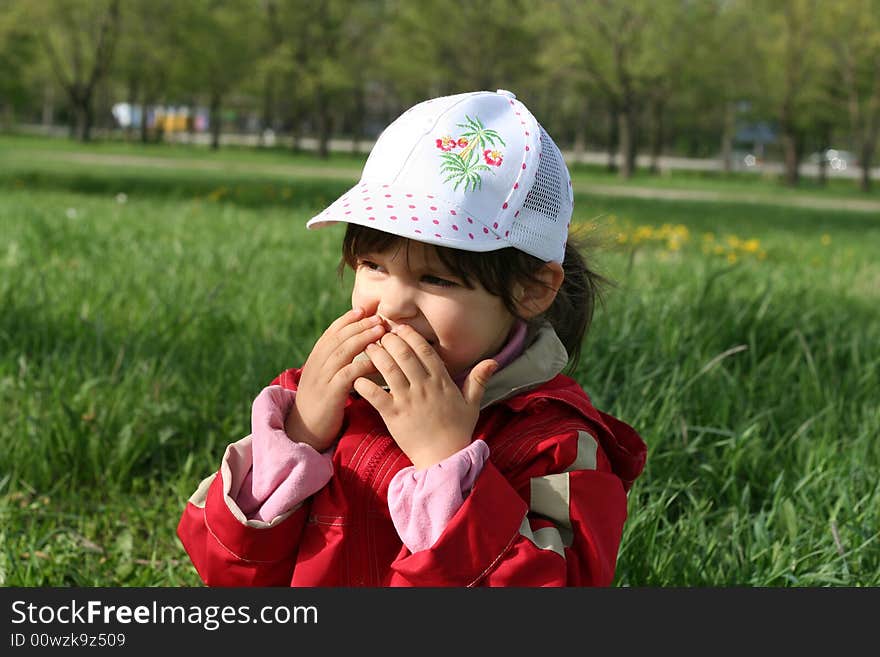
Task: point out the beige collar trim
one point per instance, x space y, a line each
544 358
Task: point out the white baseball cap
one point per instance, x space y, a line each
473 171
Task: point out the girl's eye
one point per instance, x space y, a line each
439 282
368 264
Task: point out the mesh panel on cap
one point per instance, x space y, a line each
545 196
546 210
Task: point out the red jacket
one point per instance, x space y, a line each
547 509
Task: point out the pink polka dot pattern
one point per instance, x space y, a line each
441 218
444 219
524 165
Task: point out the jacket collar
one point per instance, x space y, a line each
543 358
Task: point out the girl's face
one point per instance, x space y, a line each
408 284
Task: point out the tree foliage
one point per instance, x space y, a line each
633 76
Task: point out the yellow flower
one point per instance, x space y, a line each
751 246
826 239
731 258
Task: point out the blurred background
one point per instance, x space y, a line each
159 160
787 88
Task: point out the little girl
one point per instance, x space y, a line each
430 438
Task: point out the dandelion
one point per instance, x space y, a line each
731 258
71 213
121 198
826 239
751 246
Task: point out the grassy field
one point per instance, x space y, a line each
143 307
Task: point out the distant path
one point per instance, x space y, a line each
857 205
349 174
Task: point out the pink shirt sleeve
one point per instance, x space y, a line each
284 472
422 502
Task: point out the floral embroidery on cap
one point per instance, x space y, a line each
446 143
465 166
492 157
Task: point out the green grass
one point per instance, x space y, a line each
135 332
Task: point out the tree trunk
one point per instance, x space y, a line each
822 178
727 133
824 144
7 116
215 120
268 120
132 100
325 126
84 119
613 139
865 162
791 157
360 110
145 136
580 131
48 106
656 135
626 123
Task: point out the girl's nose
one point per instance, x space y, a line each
397 303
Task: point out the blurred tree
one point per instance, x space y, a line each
718 72
616 47
855 40
220 49
17 50
79 38
787 43
148 62
670 35
317 63
440 47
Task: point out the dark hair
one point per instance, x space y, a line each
499 271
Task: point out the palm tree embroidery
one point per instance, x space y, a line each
465 167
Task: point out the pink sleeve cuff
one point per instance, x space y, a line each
284 472
422 502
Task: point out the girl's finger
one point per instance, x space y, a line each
475 384
336 337
375 396
405 357
347 349
388 367
427 355
343 320
345 377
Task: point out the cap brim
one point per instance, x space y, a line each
412 214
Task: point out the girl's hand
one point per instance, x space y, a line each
328 376
426 413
